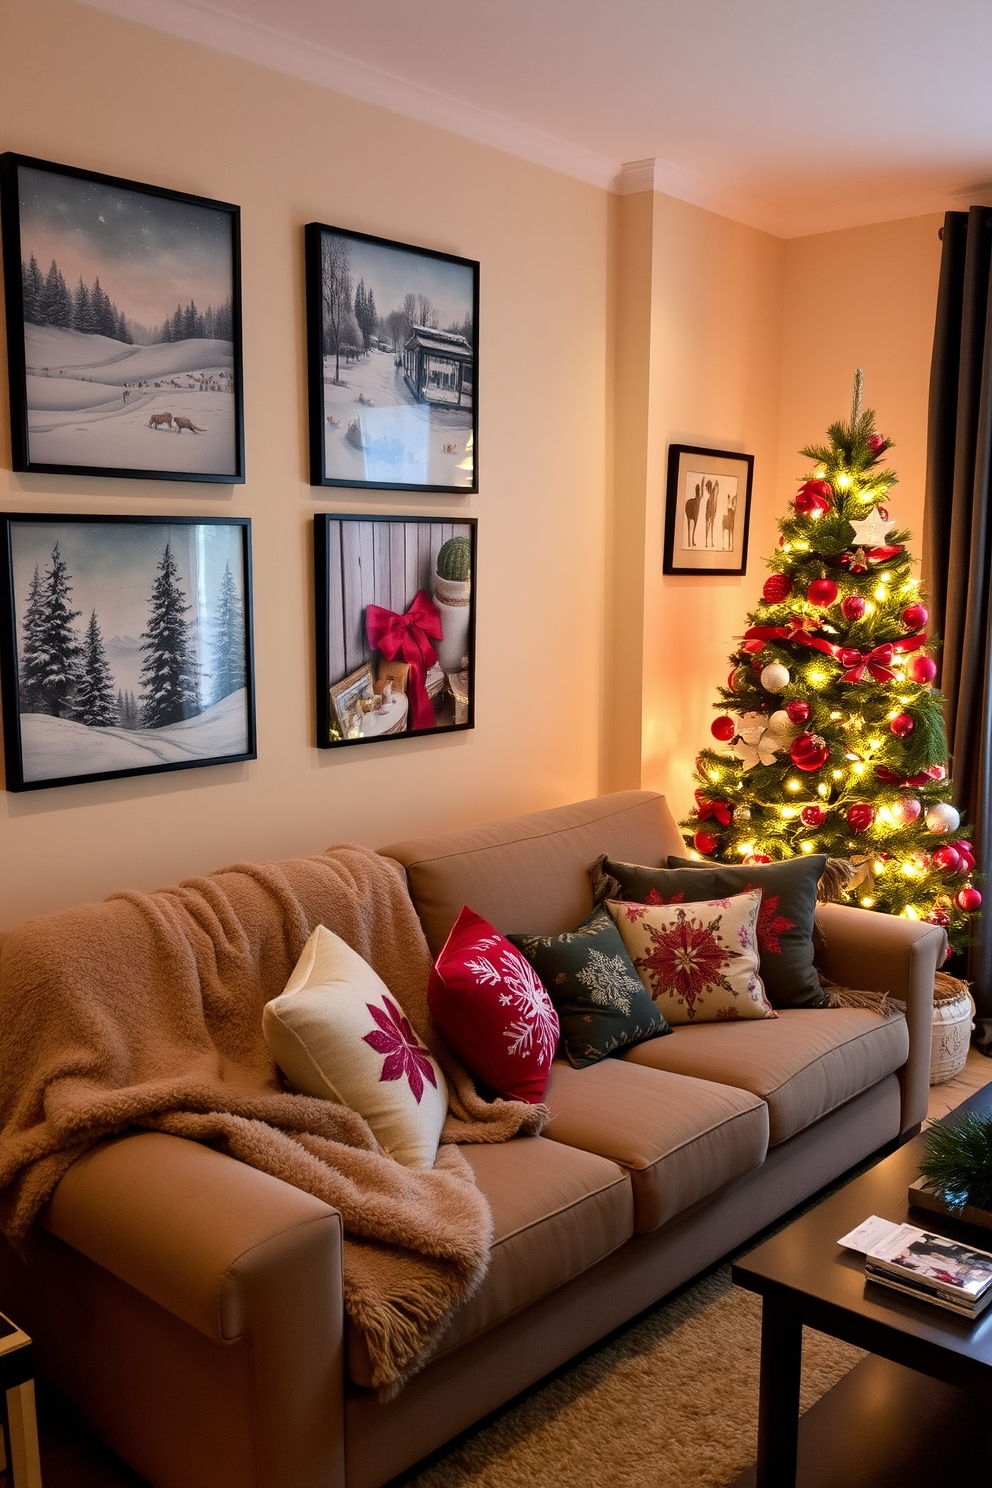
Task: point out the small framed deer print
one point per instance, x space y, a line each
708 510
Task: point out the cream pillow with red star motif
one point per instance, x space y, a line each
698 961
336 1032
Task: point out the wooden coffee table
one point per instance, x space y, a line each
908 1415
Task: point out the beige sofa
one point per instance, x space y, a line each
190 1307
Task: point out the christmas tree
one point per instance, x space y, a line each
833 731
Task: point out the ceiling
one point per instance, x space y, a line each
795 116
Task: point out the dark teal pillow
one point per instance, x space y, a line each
785 922
601 1002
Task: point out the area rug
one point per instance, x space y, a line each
672 1402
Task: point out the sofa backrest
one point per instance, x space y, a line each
529 874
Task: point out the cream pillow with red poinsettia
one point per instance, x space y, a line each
336 1032
698 961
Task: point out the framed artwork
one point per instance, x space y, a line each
395 627
392 333
125 646
708 510
123 326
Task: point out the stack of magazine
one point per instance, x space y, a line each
933 1269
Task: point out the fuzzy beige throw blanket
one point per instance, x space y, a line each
146 1011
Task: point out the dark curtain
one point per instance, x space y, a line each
957 556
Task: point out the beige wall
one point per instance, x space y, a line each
864 298
82 88
609 328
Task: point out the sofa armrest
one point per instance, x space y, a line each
884 953
235 1253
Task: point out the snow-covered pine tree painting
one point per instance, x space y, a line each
131 647
130 326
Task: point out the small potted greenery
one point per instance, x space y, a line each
452 592
956 1170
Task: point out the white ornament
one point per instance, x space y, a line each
872 532
774 677
905 811
942 818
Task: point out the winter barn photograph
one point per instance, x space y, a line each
708 510
125 647
392 346
123 326
395 627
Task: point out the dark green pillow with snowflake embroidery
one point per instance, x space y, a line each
601 1002
785 921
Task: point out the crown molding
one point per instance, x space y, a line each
269 47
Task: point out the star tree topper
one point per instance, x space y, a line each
872 532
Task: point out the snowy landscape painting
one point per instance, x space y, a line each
392 337
123 326
126 646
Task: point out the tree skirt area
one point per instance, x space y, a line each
670 1403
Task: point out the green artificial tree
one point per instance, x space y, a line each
832 729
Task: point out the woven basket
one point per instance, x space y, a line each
953 1020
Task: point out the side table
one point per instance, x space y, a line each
19 1445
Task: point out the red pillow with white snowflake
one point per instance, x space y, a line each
490 1004
699 961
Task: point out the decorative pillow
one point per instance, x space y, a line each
337 1032
490 1005
785 924
699 961
598 996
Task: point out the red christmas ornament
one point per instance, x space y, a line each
966 853
822 592
876 443
798 710
968 899
938 917
704 842
936 772
861 815
907 810
723 728
915 616
809 752
814 497
756 858
947 858
902 725
812 816
776 588
883 512
922 669
852 606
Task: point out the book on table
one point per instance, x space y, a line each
923 1265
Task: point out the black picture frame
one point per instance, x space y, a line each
696 503
137 704
401 412
80 409
361 562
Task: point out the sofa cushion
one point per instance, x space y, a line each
556 1211
785 925
805 1063
698 961
489 1003
530 872
337 1034
679 1138
598 996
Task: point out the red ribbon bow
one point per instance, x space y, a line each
707 808
876 663
409 636
860 560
